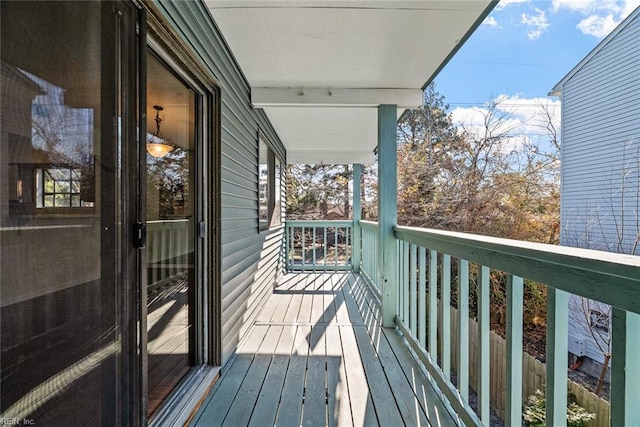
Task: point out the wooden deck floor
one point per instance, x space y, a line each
317 356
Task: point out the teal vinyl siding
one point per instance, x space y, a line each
250 258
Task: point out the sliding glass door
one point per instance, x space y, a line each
67 125
171 202
98 324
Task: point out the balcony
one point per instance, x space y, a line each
318 356
322 352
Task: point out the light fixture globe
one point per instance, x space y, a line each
157 145
158 149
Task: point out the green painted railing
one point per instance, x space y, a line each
318 245
425 260
369 256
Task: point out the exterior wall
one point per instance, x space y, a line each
600 197
601 147
250 258
594 342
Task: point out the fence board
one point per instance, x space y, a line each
535 378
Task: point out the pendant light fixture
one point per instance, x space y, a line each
157 145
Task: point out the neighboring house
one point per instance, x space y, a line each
600 190
102 326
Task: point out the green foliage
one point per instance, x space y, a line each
313 191
535 416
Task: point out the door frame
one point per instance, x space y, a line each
157 36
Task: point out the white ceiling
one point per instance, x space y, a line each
318 48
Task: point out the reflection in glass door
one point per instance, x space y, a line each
171 191
63 326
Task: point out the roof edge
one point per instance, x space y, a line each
462 41
557 88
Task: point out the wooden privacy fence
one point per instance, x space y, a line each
533 378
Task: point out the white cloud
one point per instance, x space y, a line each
584 6
602 16
629 6
621 8
505 3
522 119
491 22
537 23
598 26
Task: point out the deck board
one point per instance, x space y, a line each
338 405
362 409
266 407
290 413
317 355
314 412
242 408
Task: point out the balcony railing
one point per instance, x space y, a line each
169 246
423 306
318 245
369 263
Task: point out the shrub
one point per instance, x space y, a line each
534 412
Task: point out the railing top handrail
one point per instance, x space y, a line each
320 223
603 276
371 224
168 221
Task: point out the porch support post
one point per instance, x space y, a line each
356 243
387 211
625 371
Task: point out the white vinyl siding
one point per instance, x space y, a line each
600 140
600 193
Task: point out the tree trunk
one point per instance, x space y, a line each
603 373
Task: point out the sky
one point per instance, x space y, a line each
521 51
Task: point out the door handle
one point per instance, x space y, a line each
140 235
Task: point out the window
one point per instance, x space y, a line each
269 187
263 184
60 187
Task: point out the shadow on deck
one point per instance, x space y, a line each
318 356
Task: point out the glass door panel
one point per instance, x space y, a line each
171 191
61 221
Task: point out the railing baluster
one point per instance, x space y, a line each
513 406
413 299
433 305
400 246
405 282
557 360
348 244
289 252
484 376
422 297
304 257
625 371
314 244
324 244
287 244
463 328
335 245
445 289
